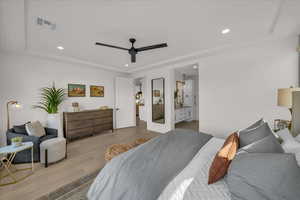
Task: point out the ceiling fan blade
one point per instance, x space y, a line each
156 46
112 46
133 58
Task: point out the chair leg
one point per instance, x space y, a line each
46 158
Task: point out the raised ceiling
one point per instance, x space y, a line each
189 27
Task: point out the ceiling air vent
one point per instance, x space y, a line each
43 22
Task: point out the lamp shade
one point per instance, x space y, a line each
284 96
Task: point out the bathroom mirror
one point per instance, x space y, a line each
158 100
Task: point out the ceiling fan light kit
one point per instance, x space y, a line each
134 51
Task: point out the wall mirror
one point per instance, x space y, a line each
158 100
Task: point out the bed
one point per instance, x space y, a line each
175 166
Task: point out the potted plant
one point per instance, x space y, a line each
51 98
16 141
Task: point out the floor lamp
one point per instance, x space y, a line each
8 104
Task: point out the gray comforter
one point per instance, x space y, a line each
143 172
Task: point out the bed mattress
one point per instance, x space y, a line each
191 182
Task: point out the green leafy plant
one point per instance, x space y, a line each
51 98
16 139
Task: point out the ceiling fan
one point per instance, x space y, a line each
133 51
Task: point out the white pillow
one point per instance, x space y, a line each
286 136
35 129
289 144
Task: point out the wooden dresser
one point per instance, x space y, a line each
85 123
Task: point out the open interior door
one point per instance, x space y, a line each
125 103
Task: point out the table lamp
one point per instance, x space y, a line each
8 104
284 97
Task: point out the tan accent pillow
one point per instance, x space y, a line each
35 129
223 158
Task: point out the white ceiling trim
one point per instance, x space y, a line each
206 53
64 59
75 60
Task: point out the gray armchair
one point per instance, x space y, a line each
25 156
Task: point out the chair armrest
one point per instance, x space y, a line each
51 131
25 138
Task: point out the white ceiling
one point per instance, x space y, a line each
189 27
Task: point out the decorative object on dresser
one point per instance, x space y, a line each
104 107
96 91
76 90
8 104
75 106
86 123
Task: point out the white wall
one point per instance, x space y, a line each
240 86
21 77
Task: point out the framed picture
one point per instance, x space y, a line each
280 124
156 93
76 90
96 91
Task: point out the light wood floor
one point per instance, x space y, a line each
194 125
84 157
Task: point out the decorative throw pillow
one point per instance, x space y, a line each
21 129
249 136
222 160
35 129
264 176
268 144
256 124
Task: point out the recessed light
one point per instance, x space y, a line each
60 47
225 31
126 65
195 66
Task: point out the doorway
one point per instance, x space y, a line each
186 97
140 104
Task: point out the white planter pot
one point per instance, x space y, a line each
55 121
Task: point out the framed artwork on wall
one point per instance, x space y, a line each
76 90
96 91
156 93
